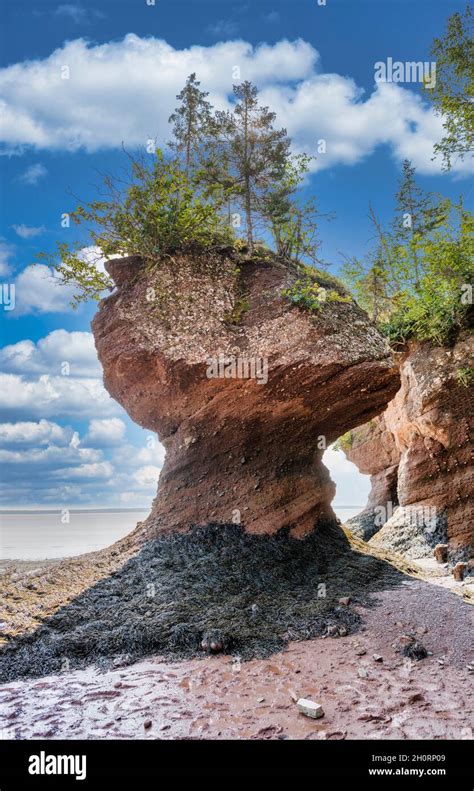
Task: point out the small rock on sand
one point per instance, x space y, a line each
309 708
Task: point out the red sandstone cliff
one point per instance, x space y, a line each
420 455
236 449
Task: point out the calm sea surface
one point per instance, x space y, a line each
37 535
40 535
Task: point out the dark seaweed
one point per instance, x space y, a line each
248 594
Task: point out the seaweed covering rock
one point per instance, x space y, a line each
212 589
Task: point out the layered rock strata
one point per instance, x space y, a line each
244 389
420 456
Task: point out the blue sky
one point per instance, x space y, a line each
63 442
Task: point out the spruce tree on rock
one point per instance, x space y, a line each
417 214
190 122
255 154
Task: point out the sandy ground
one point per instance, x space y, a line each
221 697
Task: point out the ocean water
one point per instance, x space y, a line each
40 535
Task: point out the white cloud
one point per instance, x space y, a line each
54 396
105 433
48 355
56 377
42 110
6 253
52 456
101 470
38 434
147 477
46 462
77 13
39 289
27 232
33 173
153 453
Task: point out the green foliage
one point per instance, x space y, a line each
159 212
436 311
220 161
246 155
241 306
465 376
77 269
412 284
345 442
294 225
453 94
417 214
370 284
308 293
190 123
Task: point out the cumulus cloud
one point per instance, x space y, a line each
39 289
147 476
54 396
99 470
27 232
44 462
51 456
57 376
38 434
105 433
6 254
33 173
50 353
152 453
43 110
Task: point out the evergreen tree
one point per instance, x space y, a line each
416 216
293 224
190 122
252 154
370 283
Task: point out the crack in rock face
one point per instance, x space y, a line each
244 389
419 454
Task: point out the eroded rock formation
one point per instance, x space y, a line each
246 450
420 454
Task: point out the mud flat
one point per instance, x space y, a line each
222 697
355 668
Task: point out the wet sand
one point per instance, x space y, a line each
220 697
